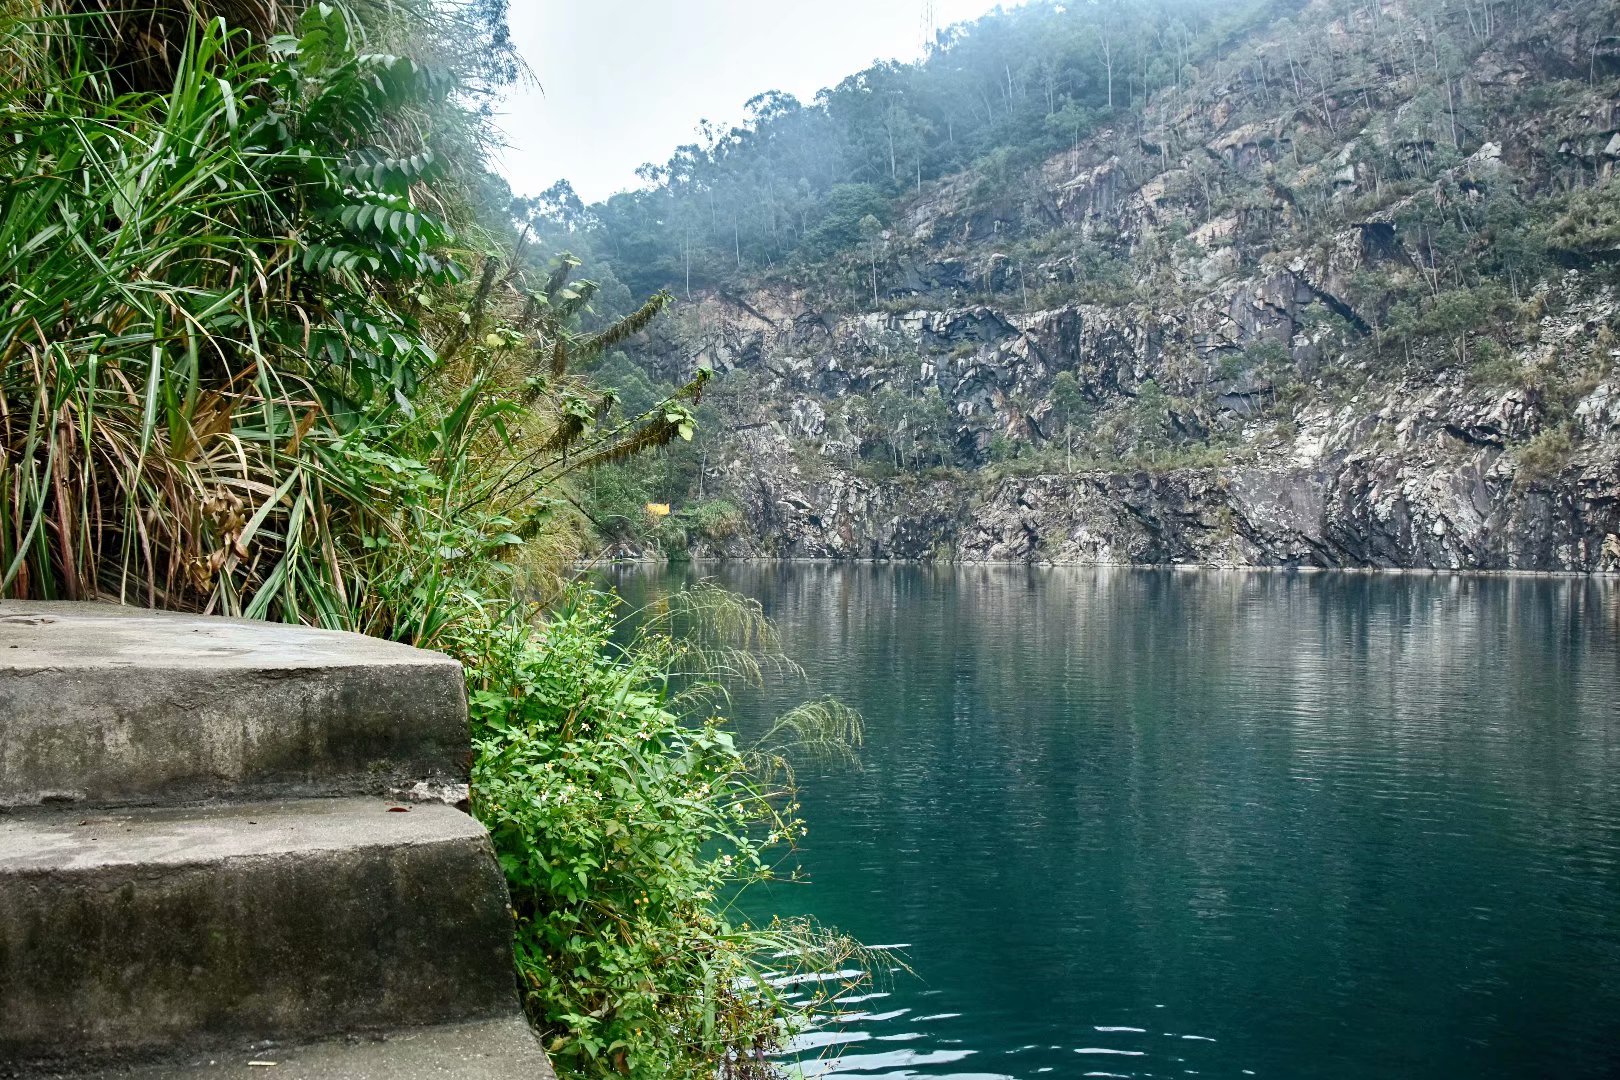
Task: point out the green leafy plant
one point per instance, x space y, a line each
716 519
629 822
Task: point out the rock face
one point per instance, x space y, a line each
1428 473
1365 510
1241 402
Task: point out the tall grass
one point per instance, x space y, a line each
222 300
194 314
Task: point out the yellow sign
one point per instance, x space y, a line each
658 510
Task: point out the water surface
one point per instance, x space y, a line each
1224 824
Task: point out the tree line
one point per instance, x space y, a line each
794 181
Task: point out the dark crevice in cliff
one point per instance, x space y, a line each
1341 309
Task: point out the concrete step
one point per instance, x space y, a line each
147 932
502 1049
110 705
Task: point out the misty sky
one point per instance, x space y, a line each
626 81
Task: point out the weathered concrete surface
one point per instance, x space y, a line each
139 933
110 705
481 1050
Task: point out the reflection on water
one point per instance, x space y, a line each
1141 823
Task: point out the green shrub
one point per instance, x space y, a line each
839 227
1002 449
627 828
1493 365
1544 456
716 519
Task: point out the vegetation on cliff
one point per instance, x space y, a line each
270 346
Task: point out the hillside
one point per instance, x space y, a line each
1325 284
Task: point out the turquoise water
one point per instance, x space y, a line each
1139 823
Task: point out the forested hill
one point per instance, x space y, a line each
1297 283
792 183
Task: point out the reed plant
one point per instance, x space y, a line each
205 306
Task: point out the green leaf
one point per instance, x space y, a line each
231 119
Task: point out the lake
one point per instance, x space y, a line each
1133 823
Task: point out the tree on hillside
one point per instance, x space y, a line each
872 240
1070 409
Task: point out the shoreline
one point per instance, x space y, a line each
1368 571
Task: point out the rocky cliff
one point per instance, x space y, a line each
1423 473
1236 330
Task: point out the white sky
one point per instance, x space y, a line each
626 81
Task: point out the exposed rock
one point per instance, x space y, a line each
1263 252
1417 475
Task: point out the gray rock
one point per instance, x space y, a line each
1362 483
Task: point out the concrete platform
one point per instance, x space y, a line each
143 932
502 1049
108 705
